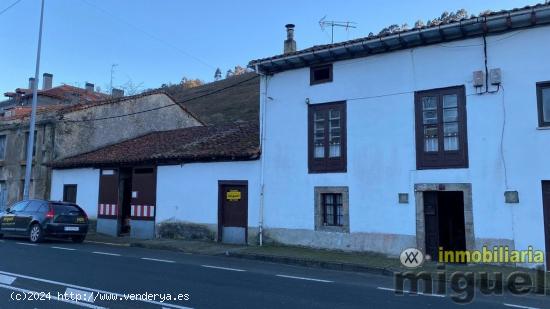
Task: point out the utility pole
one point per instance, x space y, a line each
30 142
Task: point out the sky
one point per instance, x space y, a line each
152 42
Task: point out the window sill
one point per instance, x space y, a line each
543 128
333 229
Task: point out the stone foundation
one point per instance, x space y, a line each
390 244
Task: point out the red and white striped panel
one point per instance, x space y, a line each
107 209
143 211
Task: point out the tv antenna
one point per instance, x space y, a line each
323 23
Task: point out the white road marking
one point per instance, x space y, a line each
63 248
9 287
304 278
89 289
86 296
157 260
7 279
519 306
409 292
224 268
106 253
25 243
107 243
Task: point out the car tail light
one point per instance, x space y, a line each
50 214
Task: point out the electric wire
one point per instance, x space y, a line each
9 7
161 107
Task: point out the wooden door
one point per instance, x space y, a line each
546 212
233 211
144 194
108 194
69 193
431 223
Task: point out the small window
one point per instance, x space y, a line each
2 147
327 137
543 98
69 193
332 209
320 74
27 142
441 139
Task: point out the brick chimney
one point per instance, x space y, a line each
89 87
31 83
290 44
117 93
47 80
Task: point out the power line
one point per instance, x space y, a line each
9 7
148 34
161 107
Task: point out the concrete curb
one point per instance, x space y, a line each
313 263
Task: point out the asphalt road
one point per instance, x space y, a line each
106 276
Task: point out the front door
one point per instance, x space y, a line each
431 223
69 193
546 210
143 206
233 212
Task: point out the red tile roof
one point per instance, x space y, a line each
63 91
235 142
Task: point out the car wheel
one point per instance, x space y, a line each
78 239
35 233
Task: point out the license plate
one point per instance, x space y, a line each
71 228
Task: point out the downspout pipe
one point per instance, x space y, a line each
263 96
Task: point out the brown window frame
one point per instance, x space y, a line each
442 158
327 164
312 70
540 103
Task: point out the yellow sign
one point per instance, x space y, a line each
80 220
8 220
233 195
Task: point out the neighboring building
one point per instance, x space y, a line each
436 136
205 175
48 95
63 131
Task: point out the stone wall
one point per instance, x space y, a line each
150 113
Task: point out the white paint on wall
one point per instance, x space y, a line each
379 91
87 181
190 192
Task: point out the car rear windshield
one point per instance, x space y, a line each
65 209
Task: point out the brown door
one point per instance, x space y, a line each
108 194
144 194
431 223
233 212
546 211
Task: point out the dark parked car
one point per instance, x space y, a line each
38 219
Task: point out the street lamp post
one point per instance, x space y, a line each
30 142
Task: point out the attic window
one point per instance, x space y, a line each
320 74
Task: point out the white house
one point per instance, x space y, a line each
203 176
437 136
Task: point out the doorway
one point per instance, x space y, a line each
125 196
233 212
444 221
546 215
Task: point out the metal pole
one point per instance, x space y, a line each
30 142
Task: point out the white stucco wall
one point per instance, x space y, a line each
381 137
87 190
190 192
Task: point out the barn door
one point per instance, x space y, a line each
143 202
546 214
107 212
431 223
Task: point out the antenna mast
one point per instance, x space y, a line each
332 23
